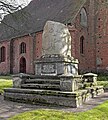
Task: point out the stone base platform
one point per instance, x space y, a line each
50 97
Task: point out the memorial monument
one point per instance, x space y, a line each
56 80
56 51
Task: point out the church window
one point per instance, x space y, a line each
2 54
22 48
82 45
83 17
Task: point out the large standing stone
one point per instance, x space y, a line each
56 39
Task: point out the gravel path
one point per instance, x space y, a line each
9 109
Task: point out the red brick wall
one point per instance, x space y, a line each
87 62
102 37
73 32
38 49
28 55
33 51
5 66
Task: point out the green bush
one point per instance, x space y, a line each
102 78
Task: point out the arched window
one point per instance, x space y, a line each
22 48
82 44
83 17
2 54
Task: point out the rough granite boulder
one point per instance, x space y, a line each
56 39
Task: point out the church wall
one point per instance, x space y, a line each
38 49
28 55
102 37
87 61
5 65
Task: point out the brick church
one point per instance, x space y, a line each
21 34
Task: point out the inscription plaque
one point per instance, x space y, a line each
48 68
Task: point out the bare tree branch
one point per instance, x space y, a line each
7 8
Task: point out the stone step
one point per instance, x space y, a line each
40 91
41 86
44 77
43 81
48 97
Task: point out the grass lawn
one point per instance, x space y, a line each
98 113
5 82
103 83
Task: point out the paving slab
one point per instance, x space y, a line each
9 108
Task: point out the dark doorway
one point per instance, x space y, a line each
22 65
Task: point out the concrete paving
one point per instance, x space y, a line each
9 109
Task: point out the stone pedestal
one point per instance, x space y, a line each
56 65
70 83
91 78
